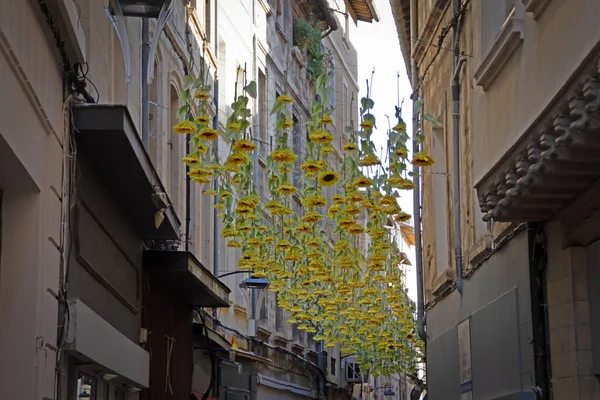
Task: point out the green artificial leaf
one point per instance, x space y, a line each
187 82
420 138
251 89
413 173
367 103
436 123
277 107
185 96
182 111
418 105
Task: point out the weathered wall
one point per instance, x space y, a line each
571 313
496 300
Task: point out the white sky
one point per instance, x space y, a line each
378 48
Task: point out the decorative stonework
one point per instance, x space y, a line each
553 163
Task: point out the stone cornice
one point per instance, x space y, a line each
553 162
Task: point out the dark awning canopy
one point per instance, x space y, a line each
106 136
554 163
182 273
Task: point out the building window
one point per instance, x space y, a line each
207 19
440 196
345 106
332 89
494 14
333 366
263 115
279 316
298 144
281 14
174 154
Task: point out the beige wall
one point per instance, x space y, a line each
31 131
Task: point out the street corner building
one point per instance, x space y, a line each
510 250
114 280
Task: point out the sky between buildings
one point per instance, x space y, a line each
379 49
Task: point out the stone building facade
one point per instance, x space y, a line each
526 300
94 298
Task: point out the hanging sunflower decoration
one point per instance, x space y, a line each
336 266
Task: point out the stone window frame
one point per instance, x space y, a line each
536 7
508 39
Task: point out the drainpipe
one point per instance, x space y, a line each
457 62
216 183
320 364
414 77
145 88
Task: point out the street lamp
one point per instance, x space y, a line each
253 288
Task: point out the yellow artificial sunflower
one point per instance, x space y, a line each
351 209
338 199
326 120
327 149
240 210
366 124
303 228
285 156
229 232
402 217
202 119
287 189
191 160
283 244
369 161
334 210
210 192
354 197
311 166
400 127
287 124
238 158
405 184
234 126
363 182
202 95
234 244
201 148
225 194
185 127
249 201
328 178
422 159
208 134
346 223
350 147
402 152
314 242
244 145
314 201
285 99
320 136
311 217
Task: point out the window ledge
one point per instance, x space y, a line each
346 43
266 7
505 45
281 32
536 7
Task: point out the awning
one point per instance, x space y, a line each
107 138
187 277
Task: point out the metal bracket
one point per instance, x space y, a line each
165 13
118 20
115 13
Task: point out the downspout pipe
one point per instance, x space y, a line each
145 87
457 63
216 184
414 77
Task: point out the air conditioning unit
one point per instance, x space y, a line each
352 372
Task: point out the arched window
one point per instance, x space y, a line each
175 152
